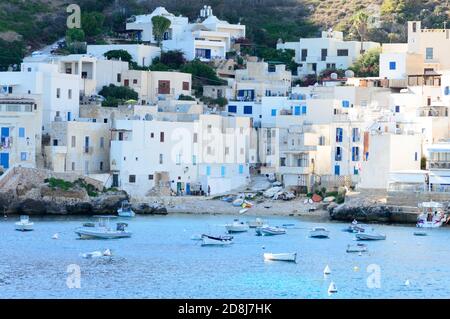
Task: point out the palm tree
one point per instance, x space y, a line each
360 22
160 26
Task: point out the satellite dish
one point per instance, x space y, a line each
333 76
349 74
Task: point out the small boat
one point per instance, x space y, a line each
332 288
432 215
125 210
288 225
243 211
238 202
371 235
281 257
102 229
354 227
327 270
208 240
358 248
420 233
24 224
55 236
236 227
258 222
97 254
270 231
319 232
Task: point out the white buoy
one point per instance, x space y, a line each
55 236
407 283
360 254
327 270
107 252
332 288
356 268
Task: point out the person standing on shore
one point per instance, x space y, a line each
209 190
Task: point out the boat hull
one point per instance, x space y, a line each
289 257
24 227
319 234
208 241
92 234
366 236
269 231
236 228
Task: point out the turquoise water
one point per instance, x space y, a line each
161 261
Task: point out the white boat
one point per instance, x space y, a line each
97 254
281 257
208 240
354 227
243 211
319 232
370 235
236 227
238 202
125 210
432 215
270 231
358 248
103 230
24 224
258 222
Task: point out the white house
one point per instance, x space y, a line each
211 38
330 51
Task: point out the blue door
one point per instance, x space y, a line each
337 170
69 116
4 160
208 53
188 189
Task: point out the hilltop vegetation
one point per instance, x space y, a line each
30 24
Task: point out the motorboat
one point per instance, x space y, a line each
354 227
258 222
125 210
420 233
208 240
319 232
24 224
270 231
358 248
281 257
432 215
97 254
243 211
236 227
103 230
370 235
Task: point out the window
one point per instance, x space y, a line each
23 156
355 153
345 103
126 82
58 93
209 128
132 178
102 142
241 169
392 65
339 134
120 136
324 53
195 138
163 87
397 109
274 112
232 108
152 135
21 132
303 109
415 156
337 170
186 86
297 110
429 53
161 137
73 166
203 53
101 166
282 161
321 140
69 94
414 26
194 160
134 81
304 54
150 177
447 90
342 52
161 158
73 142
248 109
355 134
227 150
338 154
119 77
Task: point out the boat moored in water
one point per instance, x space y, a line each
370 235
24 224
319 232
432 215
125 210
358 248
270 231
258 222
103 230
292 257
236 227
208 240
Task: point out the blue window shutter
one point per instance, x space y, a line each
21 132
304 109
345 103
241 169
5 131
247 109
23 156
297 110
397 109
232 108
208 53
274 112
337 170
392 65
447 90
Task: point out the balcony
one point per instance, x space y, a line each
438 165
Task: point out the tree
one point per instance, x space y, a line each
173 59
11 53
160 26
360 22
74 35
115 95
92 23
118 55
367 64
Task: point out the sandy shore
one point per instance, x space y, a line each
296 207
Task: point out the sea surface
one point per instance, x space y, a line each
161 260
